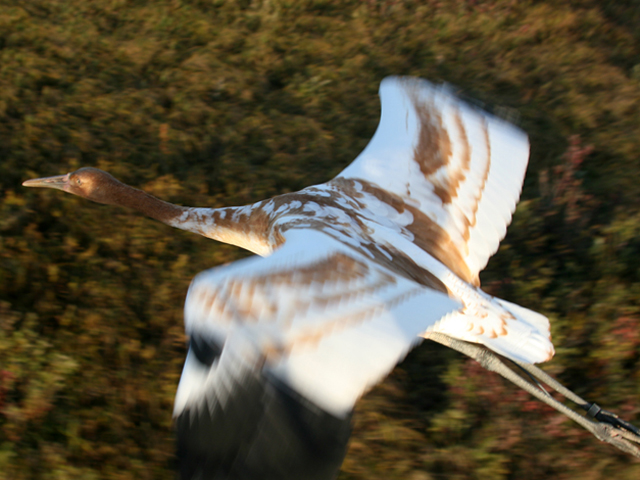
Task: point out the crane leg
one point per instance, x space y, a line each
604 425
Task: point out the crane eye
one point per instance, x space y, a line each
78 181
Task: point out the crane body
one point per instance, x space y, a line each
354 272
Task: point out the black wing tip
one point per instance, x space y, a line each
264 430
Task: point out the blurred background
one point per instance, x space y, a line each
220 102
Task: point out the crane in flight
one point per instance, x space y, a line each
354 272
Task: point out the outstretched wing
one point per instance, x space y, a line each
456 164
280 350
318 316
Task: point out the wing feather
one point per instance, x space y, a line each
461 166
317 315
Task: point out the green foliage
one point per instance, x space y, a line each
222 102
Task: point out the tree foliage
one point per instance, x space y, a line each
223 102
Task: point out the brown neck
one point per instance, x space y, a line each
149 205
233 225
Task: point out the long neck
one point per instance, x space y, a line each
127 196
246 227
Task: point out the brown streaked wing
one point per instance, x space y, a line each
459 168
329 321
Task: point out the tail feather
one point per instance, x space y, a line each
524 337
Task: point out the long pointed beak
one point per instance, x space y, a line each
60 182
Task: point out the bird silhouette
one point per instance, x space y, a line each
355 270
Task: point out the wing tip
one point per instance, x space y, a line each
499 115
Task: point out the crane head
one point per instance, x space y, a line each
87 182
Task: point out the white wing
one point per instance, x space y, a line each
460 166
317 315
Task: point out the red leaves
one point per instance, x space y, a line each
6 380
563 189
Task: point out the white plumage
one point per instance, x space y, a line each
322 317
